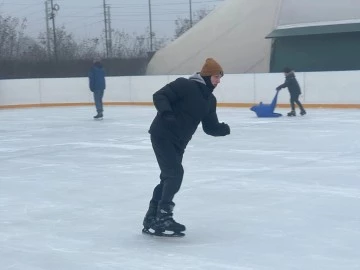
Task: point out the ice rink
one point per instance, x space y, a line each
277 194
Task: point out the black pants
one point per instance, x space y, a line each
169 157
294 98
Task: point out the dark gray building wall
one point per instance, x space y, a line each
323 52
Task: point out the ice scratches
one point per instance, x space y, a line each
32 151
203 264
13 266
41 150
308 189
114 145
64 250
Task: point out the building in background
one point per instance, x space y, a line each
248 36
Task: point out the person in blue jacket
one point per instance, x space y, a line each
97 85
181 106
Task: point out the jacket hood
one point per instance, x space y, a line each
98 65
197 77
290 74
200 79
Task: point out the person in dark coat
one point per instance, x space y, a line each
97 85
294 89
181 105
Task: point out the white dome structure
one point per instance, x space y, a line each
243 35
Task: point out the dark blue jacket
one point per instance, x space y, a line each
97 78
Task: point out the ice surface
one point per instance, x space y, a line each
277 194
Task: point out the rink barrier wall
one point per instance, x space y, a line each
228 105
319 90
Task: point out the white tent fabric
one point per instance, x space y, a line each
234 34
294 13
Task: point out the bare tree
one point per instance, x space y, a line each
89 49
68 48
11 34
183 24
66 45
32 50
128 46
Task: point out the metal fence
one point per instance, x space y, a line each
15 69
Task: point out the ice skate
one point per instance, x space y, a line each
99 116
165 225
303 112
292 113
150 216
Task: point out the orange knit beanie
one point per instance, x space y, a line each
211 67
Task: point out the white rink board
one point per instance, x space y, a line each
327 87
317 88
70 90
13 92
118 89
235 89
143 87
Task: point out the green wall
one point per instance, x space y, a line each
326 52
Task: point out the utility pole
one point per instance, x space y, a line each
109 31
151 33
47 17
54 8
106 30
191 19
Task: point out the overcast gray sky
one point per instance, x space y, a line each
85 18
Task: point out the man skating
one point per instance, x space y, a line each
181 105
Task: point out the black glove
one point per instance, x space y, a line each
278 88
226 129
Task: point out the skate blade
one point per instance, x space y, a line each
162 234
98 119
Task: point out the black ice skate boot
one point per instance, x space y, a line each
165 222
292 113
150 216
99 116
303 112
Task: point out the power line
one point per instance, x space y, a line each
74 28
162 4
123 13
18 4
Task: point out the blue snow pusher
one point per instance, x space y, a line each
266 110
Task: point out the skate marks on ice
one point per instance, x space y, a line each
284 195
